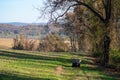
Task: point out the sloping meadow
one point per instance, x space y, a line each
33 65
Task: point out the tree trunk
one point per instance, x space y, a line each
106 45
106 49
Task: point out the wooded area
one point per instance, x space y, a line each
89 22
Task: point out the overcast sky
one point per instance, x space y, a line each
20 11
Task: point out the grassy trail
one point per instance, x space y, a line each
24 65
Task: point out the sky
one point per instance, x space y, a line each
20 11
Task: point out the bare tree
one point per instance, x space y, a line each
69 29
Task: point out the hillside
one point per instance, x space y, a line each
32 30
24 65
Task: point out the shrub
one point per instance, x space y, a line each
115 58
52 43
97 54
23 43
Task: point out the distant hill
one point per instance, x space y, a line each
18 24
23 24
35 30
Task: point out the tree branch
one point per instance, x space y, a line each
96 13
106 4
65 12
87 6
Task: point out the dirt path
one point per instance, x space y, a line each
59 70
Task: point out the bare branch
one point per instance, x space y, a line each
65 12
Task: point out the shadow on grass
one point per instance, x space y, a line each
87 62
81 54
92 71
94 77
89 73
100 71
33 57
11 76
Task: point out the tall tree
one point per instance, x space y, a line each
54 7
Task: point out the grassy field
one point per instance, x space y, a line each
27 65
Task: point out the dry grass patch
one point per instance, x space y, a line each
6 43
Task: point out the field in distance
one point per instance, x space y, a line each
6 43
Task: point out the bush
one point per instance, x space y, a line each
97 54
52 43
115 58
23 43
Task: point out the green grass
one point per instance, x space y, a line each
26 65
